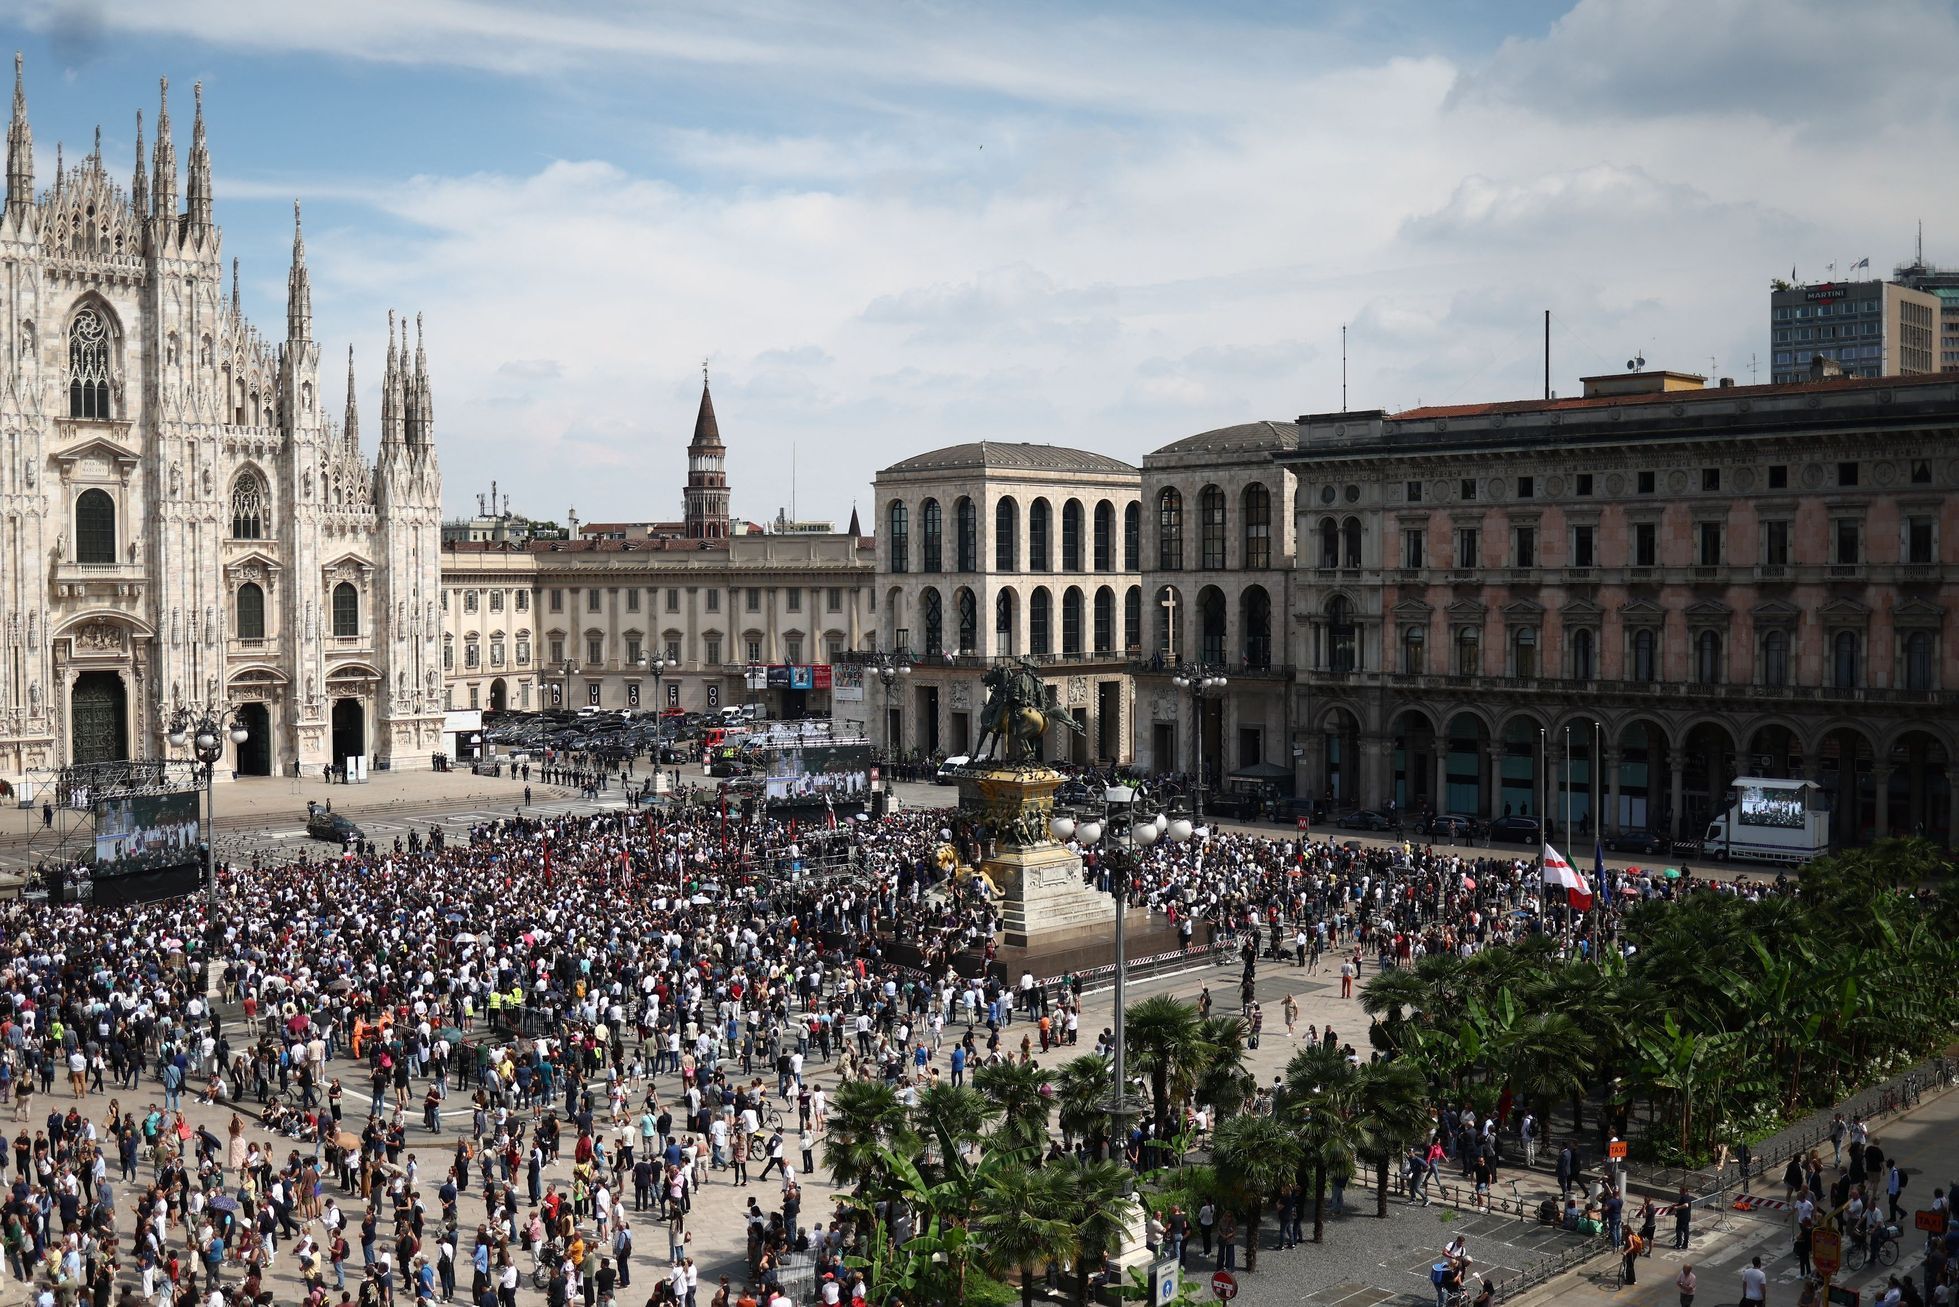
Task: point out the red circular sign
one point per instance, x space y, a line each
1225 1285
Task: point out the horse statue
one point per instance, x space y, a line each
1019 709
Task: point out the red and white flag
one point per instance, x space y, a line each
1557 871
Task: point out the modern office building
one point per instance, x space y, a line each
1862 328
996 550
1674 586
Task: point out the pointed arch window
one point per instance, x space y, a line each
251 515
88 366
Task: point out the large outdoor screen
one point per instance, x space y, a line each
146 832
819 771
1763 806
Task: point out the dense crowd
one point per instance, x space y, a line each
462 1054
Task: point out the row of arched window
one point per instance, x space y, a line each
1086 625
1214 529
1088 539
1214 646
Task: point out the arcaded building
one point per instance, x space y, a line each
1668 583
994 550
1218 563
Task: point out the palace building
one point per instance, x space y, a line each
186 523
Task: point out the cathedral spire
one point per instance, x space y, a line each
391 389
423 429
20 148
163 166
351 424
299 286
237 304
197 183
139 182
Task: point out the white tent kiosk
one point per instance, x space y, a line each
1771 820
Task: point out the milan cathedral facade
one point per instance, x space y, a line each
185 525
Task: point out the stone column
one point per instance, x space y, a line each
1493 780
1881 796
1677 776
1441 775
1613 760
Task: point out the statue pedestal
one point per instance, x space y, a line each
1045 902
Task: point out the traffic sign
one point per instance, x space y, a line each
1616 1150
1303 823
1931 1221
1225 1286
1826 1252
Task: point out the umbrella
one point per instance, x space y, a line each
348 1141
1672 873
464 937
450 1035
341 986
1629 889
224 1203
1469 882
453 917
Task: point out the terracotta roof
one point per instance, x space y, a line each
1246 437
1835 384
1006 455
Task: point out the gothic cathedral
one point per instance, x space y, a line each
184 524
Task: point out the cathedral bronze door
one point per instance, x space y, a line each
98 718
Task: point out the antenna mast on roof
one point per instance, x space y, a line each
1343 367
1547 353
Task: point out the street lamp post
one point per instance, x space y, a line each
1202 685
202 729
889 667
1122 855
568 670
656 668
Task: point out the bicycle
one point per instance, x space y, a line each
544 1261
1880 1247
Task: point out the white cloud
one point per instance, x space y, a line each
1171 219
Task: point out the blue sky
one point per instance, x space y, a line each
892 226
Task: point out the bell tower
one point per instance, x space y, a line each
707 475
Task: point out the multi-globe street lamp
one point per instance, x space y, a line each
1202 685
202 728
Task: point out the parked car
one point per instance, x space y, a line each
1517 829
1634 840
1451 826
949 770
1363 819
1290 811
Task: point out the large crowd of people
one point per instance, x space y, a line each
437 1070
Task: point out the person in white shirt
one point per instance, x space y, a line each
1754 1284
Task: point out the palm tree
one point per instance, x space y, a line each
1026 1217
1321 1097
1253 1156
1081 1097
1105 1207
1166 1043
1221 1081
1015 1090
1392 1099
865 1117
951 1117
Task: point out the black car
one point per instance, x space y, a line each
333 827
1637 841
1518 829
1363 819
1077 794
1451 826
